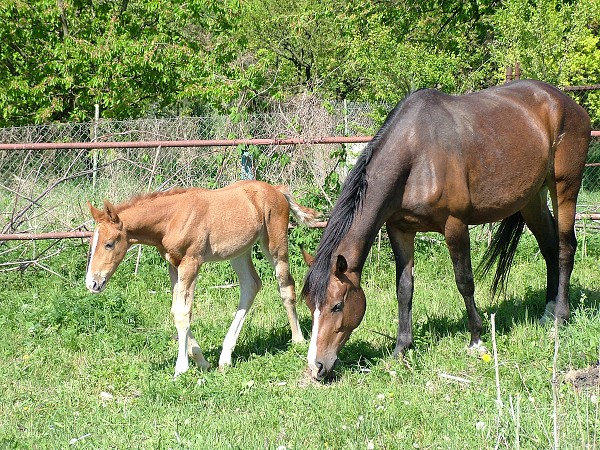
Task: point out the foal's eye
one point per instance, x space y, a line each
338 307
109 245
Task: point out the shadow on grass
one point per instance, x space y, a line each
276 340
509 311
358 355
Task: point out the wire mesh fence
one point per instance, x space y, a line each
47 190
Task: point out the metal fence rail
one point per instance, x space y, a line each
49 172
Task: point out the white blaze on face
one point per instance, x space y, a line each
89 277
312 348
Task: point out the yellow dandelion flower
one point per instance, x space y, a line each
486 357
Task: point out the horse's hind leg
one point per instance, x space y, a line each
569 163
539 220
459 246
567 244
249 286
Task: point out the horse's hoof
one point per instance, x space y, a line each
477 349
548 316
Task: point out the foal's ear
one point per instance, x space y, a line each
97 214
341 265
111 213
308 258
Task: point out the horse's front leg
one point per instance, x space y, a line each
403 245
459 246
183 295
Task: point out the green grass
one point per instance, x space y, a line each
85 371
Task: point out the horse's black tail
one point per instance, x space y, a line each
502 249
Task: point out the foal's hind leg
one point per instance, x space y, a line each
539 220
249 286
276 251
459 246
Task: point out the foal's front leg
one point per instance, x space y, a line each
183 281
249 286
193 349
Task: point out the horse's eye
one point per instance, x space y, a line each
338 307
109 245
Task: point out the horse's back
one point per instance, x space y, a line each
228 221
521 104
482 156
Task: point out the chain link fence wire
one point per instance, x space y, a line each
46 190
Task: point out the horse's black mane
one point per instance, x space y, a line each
343 214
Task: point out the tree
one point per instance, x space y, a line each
137 57
554 41
132 57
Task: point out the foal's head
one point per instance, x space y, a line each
337 313
108 246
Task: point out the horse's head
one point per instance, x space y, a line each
334 317
108 246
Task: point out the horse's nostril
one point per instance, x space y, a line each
320 370
96 286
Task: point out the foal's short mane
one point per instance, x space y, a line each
140 198
343 213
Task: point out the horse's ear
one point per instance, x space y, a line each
341 265
308 258
111 213
97 214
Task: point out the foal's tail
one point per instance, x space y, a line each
502 249
303 214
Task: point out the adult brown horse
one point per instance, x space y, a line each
192 226
441 163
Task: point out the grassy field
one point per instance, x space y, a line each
82 371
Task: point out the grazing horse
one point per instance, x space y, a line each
192 226
441 163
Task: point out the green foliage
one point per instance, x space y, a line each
130 57
135 58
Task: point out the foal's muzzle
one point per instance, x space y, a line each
96 286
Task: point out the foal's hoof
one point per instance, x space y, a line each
298 340
224 363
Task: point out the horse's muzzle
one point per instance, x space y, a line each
321 371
